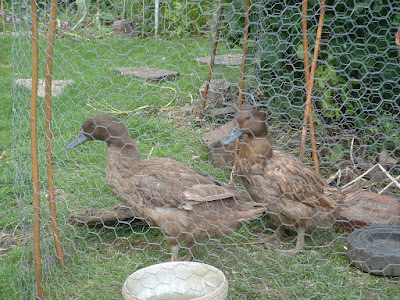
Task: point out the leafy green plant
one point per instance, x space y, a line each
183 18
336 154
357 76
385 129
325 78
176 16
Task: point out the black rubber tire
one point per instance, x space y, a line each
375 249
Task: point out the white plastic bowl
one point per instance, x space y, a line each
176 280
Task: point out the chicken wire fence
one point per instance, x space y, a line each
99 44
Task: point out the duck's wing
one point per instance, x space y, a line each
167 182
201 193
175 169
207 192
297 182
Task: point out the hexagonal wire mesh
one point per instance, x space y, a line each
356 112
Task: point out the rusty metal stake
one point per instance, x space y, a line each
305 41
242 72
212 58
3 16
307 74
116 10
309 88
49 134
35 158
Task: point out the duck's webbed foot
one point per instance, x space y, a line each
273 239
300 245
269 239
187 257
174 254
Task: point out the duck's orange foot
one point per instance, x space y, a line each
187 257
269 240
174 254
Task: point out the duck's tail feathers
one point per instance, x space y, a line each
348 194
254 211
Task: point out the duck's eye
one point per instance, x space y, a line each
248 118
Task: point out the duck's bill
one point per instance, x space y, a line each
81 138
232 136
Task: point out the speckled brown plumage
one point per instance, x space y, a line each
295 196
186 204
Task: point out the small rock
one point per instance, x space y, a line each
219 92
125 27
232 59
57 86
146 73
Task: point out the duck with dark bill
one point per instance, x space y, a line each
295 196
186 204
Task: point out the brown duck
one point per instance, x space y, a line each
184 203
296 197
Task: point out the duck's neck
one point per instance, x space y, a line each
123 159
123 149
256 146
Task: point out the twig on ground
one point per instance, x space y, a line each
334 176
174 90
115 111
162 87
231 175
389 176
2 154
394 181
389 185
151 151
75 35
18 224
191 98
351 153
236 244
359 177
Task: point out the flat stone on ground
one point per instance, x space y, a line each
217 92
223 112
125 27
232 59
146 73
56 89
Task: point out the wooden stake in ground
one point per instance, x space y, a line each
305 42
35 158
143 18
242 70
3 16
245 38
310 84
212 58
49 133
116 10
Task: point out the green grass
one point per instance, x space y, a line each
8 203
97 261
